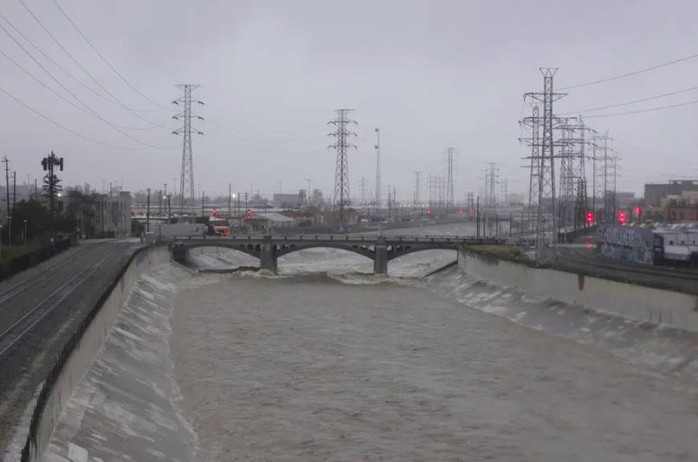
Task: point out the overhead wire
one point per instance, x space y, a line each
97 82
57 94
67 90
52 61
641 111
106 61
629 74
63 127
627 103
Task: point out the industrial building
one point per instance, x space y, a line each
654 193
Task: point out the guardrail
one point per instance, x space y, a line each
335 237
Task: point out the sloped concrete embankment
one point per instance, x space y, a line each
646 326
81 353
636 302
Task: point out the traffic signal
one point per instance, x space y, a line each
248 214
590 216
621 216
429 212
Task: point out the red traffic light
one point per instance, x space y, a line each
621 216
637 211
248 214
429 212
590 216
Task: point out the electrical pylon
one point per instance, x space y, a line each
450 196
341 176
546 219
186 187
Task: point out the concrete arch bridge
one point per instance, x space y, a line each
380 249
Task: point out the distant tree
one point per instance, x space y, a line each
37 216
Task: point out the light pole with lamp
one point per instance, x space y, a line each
168 208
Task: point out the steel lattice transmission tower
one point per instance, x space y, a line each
450 196
545 222
490 184
186 181
533 123
417 187
341 176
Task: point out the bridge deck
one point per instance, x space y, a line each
258 238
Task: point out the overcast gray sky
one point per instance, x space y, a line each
430 74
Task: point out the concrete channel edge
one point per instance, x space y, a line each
631 301
81 350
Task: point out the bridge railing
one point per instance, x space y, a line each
357 238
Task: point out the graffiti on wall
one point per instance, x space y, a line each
629 244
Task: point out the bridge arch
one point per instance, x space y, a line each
367 251
250 248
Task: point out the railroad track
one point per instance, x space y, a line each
13 335
646 271
21 286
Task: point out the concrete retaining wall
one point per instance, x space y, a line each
627 300
84 353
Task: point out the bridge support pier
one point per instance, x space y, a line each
380 260
268 259
180 253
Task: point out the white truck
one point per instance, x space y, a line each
174 231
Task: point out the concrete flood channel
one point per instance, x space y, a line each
326 362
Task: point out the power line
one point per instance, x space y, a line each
658 108
52 61
641 100
58 95
629 74
105 59
67 90
63 127
99 84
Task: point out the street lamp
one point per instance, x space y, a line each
231 200
168 207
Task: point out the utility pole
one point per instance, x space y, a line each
378 168
6 161
341 177
362 186
147 212
230 199
186 182
14 189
